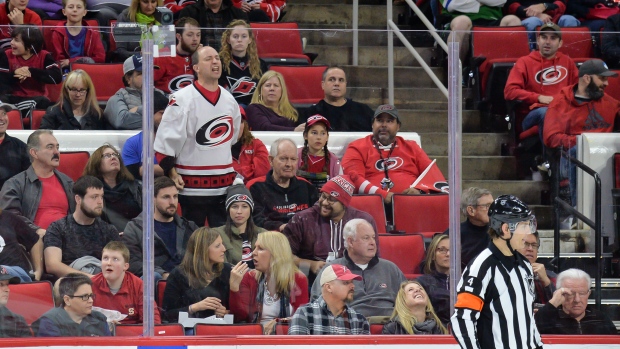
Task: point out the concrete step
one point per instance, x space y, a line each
473 144
528 191
403 97
481 167
376 76
436 120
342 35
338 14
367 55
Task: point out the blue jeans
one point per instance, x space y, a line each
19 272
535 117
531 23
569 170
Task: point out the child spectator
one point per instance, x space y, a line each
316 163
25 69
12 13
250 156
117 289
74 40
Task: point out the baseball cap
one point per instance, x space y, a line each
4 275
337 272
7 107
595 67
387 109
551 27
134 63
317 118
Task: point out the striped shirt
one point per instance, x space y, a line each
494 303
316 318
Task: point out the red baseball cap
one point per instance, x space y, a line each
337 272
317 118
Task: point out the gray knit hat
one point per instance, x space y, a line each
238 192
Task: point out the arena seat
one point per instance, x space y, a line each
15 120
37 117
376 328
577 44
54 91
279 43
159 295
107 78
228 330
421 213
303 83
406 251
373 205
31 300
282 329
73 163
134 330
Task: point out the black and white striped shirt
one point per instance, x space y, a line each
494 303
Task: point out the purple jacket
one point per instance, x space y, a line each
334 163
261 118
310 235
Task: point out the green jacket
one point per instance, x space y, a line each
234 245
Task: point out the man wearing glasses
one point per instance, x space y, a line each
568 312
544 280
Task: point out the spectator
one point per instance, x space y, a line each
270 109
140 12
189 142
262 10
242 66
176 72
435 279
47 9
239 234
117 289
200 284
274 290
11 324
124 110
177 5
330 314
316 234
592 14
413 312
12 150
544 279
122 194
384 162
105 11
567 312
475 203
250 156
132 149
373 297
75 318
171 232
74 40
213 16
279 194
12 14
610 42
77 108
344 114
25 69
537 77
21 249
583 107
316 163
534 14
73 244
38 194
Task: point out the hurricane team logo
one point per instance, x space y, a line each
215 132
241 87
334 194
391 163
551 75
442 187
180 81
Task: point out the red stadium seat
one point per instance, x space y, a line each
280 43
15 120
303 83
577 43
112 47
73 163
376 328
406 251
160 330
420 213
161 287
228 330
31 300
37 117
107 78
373 205
616 170
54 91
282 329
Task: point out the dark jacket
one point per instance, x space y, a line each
209 35
437 286
132 237
610 41
262 118
122 203
429 326
57 119
57 323
12 325
14 155
552 320
352 116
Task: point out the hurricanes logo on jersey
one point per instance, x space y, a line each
241 87
215 132
391 163
551 75
442 187
179 82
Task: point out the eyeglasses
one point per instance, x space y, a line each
76 91
485 206
111 155
330 199
85 297
532 245
442 250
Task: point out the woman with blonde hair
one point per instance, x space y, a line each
274 290
435 279
240 62
141 12
77 107
270 109
413 312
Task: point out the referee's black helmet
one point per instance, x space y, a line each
508 209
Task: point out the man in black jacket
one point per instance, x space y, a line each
213 16
12 150
11 324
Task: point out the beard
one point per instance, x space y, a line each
187 48
165 213
90 213
594 92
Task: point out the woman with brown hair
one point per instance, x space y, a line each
435 279
122 194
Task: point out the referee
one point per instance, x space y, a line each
493 309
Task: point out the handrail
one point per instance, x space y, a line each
596 224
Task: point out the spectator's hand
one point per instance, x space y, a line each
535 10
16 16
545 18
221 311
178 180
64 63
22 73
37 275
316 266
236 275
164 276
269 327
255 6
300 128
41 232
245 7
559 296
133 110
388 198
282 227
210 303
545 99
539 270
411 191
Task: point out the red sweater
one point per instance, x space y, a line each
59 47
566 118
243 303
128 300
253 161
